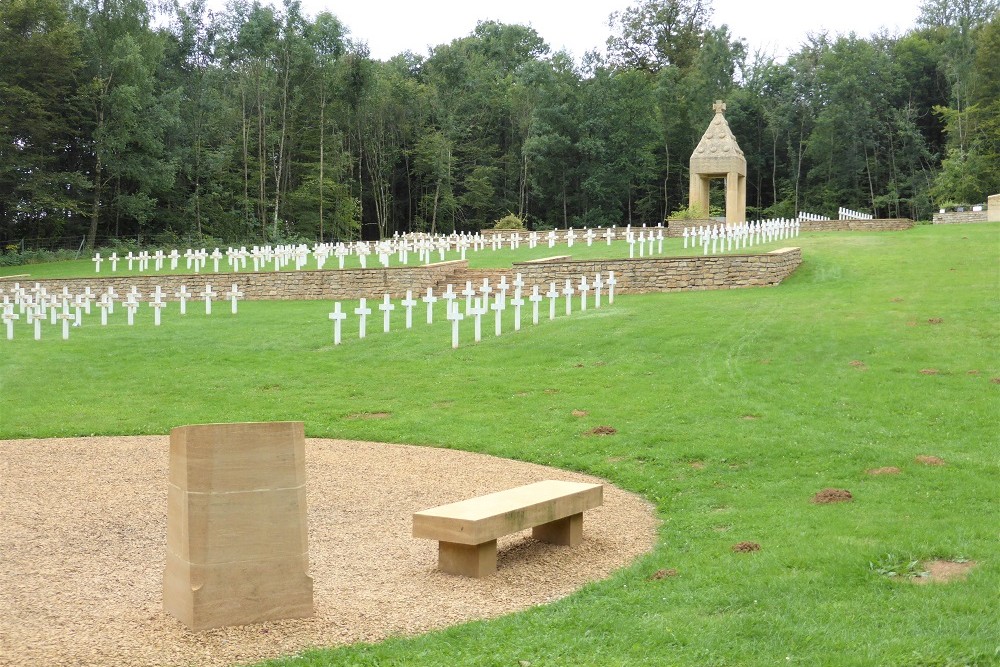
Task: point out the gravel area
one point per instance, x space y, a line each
82 544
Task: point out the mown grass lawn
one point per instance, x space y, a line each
732 409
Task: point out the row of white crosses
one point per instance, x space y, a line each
425 247
813 217
478 303
37 305
848 214
720 238
654 242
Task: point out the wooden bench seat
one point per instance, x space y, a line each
467 531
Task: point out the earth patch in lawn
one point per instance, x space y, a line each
827 496
746 547
887 470
930 460
944 571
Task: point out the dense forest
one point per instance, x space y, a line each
123 118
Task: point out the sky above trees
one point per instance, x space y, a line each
778 26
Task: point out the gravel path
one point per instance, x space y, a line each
82 543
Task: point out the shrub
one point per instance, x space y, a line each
509 221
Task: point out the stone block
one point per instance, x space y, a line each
237 549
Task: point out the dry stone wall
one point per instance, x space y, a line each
953 217
636 276
877 225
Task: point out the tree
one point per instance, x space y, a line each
656 33
41 184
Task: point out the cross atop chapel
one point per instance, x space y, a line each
719 106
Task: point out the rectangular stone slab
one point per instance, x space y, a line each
488 517
237 539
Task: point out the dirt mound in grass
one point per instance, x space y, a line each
935 320
827 496
929 371
580 413
943 571
602 430
746 547
860 365
930 460
887 470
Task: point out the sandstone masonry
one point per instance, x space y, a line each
634 276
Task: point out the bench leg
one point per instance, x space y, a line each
470 560
568 531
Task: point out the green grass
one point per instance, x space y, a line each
486 258
755 384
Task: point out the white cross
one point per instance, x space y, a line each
157 305
456 316
216 256
584 289
208 295
408 303
608 235
468 293
337 316
386 307
363 312
232 295
478 310
597 290
97 263
104 304
685 235
568 293
642 244
498 307
183 295
611 282
130 306
114 262
34 316
590 237
430 300
503 286
486 289
65 317
8 317
551 238
570 236
534 298
77 310
173 257
517 302
552 295
130 258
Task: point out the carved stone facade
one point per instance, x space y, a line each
719 156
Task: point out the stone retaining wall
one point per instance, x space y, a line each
953 217
671 274
639 275
877 225
282 285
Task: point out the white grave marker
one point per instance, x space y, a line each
552 295
386 307
408 303
534 299
362 312
456 316
208 295
234 294
430 300
568 293
337 316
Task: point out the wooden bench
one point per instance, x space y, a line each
467 531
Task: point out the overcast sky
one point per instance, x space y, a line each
393 26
